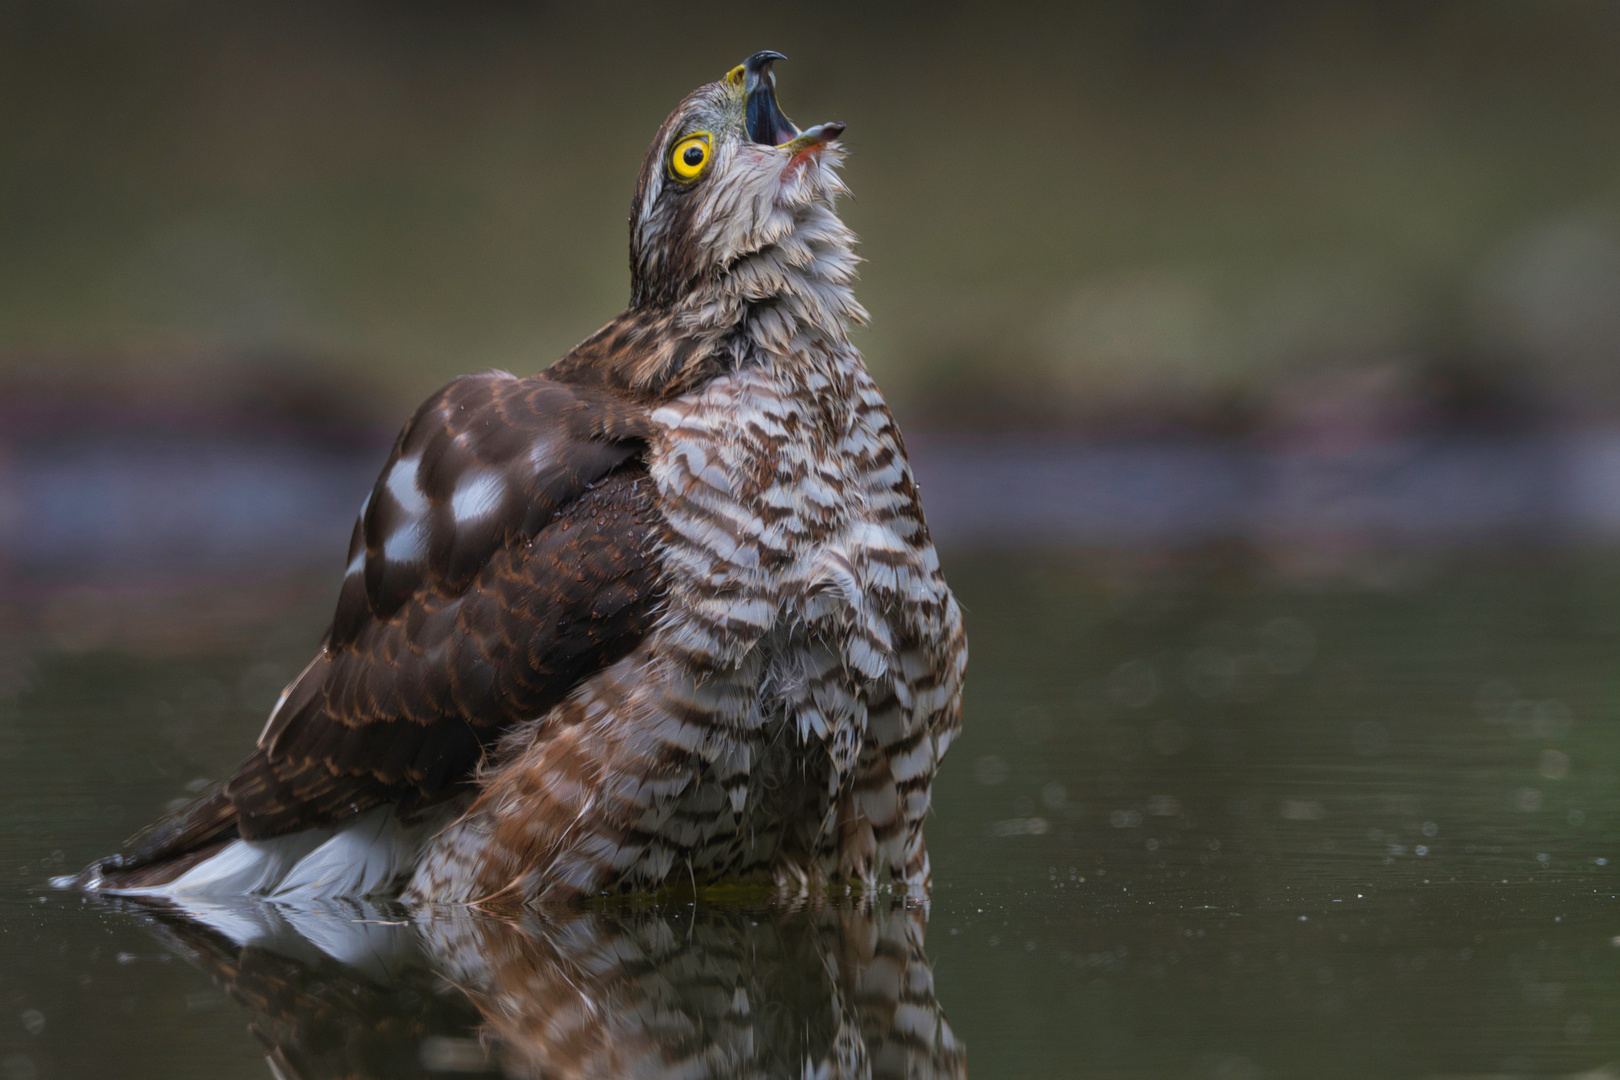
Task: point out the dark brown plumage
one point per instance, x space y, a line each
406 710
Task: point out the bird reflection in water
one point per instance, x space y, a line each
357 990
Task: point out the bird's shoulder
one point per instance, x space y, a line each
487 459
404 713
503 554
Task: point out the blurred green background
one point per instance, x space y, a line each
1194 212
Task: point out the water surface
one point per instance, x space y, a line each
1228 812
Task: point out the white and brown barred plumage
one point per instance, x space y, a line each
667 613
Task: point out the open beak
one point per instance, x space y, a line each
767 124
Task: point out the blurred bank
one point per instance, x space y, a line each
1199 213
1314 277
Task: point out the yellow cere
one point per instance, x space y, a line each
690 156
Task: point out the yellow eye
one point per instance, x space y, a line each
690 157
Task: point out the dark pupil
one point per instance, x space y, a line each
693 156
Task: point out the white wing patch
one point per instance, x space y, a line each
408 543
477 496
401 485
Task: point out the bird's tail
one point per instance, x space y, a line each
164 850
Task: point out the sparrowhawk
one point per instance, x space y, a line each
664 614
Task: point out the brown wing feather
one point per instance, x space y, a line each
486 575
404 712
515 450
504 553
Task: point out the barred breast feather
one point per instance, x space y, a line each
785 716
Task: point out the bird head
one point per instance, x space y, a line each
728 176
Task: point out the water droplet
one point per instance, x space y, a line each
1551 719
1494 700
991 770
1170 738
1302 810
1369 738
1164 805
1211 672
1134 684
1023 826
1287 645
